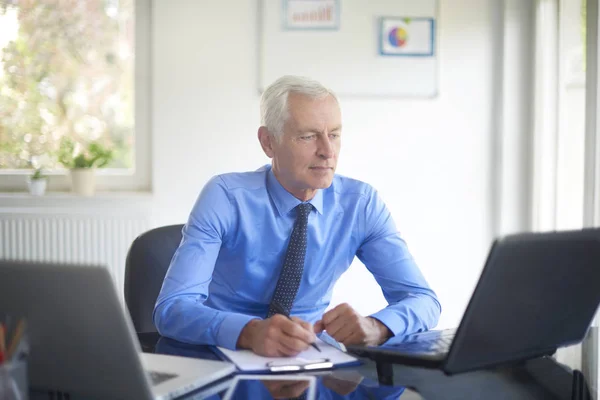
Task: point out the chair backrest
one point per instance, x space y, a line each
147 262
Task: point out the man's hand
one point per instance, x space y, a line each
277 336
342 387
346 326
286 389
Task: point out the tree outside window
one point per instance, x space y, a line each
66 72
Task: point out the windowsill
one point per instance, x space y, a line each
122 201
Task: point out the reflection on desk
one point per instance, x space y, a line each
541 378
327 387
335 384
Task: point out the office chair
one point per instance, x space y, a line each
147 262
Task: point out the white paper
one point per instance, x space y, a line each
246 360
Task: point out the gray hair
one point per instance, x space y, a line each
274 110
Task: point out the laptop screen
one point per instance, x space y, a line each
538 291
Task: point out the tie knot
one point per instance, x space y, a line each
303 209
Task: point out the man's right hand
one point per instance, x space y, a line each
277 336
286 389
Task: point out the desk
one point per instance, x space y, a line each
541 378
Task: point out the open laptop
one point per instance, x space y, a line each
537 292
81 342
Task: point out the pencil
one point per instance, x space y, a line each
16 338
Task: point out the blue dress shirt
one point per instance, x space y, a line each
225 270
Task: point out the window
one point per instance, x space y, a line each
559 146
74 71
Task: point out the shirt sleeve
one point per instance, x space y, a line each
179 312
412 305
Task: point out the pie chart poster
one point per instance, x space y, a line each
406 36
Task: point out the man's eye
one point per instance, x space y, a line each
307 137
334 135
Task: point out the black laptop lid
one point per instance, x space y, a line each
538 291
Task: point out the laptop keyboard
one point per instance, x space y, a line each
160 377
436 345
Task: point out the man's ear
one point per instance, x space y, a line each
266 141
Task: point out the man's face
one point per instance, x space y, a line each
305 156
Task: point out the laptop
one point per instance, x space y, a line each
82 343
536 293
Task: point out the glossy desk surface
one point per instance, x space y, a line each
541 378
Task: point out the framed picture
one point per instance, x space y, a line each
311 14
338 57
404 36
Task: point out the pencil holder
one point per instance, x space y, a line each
13 380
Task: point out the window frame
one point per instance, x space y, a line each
591 208
137 179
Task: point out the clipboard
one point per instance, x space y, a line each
330 357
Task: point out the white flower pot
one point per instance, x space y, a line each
83 181
37 187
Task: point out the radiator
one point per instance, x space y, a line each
67 238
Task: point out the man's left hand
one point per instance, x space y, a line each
347 326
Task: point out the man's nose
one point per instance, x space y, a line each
325 149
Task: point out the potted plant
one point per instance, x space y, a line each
37 182
82 162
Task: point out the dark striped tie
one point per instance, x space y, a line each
293 265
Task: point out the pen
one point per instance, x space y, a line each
280 311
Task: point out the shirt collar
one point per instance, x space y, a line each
284 200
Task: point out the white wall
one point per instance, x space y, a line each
430 159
